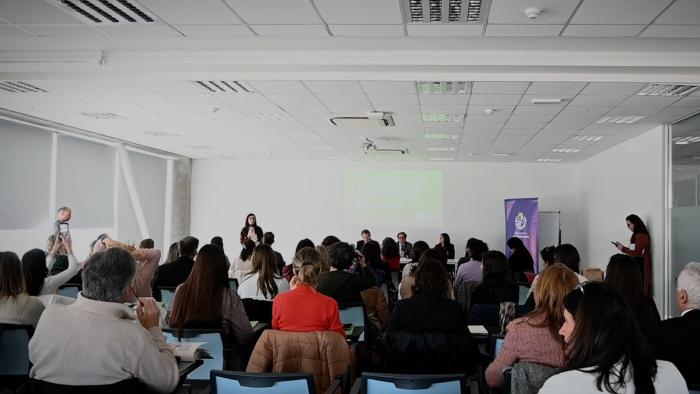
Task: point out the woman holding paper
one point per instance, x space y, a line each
639 249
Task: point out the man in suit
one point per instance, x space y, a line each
269 239
677 340
366 237
405 247
173 274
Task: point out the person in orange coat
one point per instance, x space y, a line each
640 248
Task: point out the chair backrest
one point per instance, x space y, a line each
496 345
69 291
14 349
693 388
233 284
463 293
260 310
129 386
523 290
214 345
261 383
380 383
528 378
167 296
354 314
485 315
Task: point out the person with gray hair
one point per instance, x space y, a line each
96 340
678 340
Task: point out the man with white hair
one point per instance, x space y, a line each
679 338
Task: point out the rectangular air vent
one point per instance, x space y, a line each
456 118
225 86
102 115
546 160
107 12
685 140
587 138
20 87
662 89
566 150
446 87
445 11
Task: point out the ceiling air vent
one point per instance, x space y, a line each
225 86
107 12
20 87
371 120
662 89
446 87
445 11
102 115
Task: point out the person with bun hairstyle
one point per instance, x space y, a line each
304 309
639 249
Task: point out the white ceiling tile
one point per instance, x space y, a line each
521 131
444 99
366 30
336 87
587 100
497 109
279 86
648 101
536 109
633 111
556 87
499 87
140 31
618 12
682 12
670 31
565 98
585 110
602 30
523 30
443 108
339 98
494 99
487 119
398 108
389 87
275 11
612 88
290 30
690 101
513 11
11 31
420 29
64 31
214 30
187 12
367 11
382 98
35 12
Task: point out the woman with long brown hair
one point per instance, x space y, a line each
535 337
16 306
262 283
205 299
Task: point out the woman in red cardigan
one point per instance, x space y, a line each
304 309
640 248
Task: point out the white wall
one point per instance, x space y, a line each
625 179
305 199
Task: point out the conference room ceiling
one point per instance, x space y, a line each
286 118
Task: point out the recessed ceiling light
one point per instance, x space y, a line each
441 136
547 160
445 11
442 158
587 138
629 119
685 140
536 101
442 117
566 150
225 86
500 154
106 12
662 89
441 149
444 87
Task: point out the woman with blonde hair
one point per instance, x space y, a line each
262 283
535 337
323 253
304 309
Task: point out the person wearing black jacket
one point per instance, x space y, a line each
341 285
520 260
428 332
173 274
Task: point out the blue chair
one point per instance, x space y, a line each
69 291
233 284
14 351
379 383
522 293
131 386
261 383
167 295
214 345
354 314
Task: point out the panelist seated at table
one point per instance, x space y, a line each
98 340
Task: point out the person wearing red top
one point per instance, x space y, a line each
639 249
390 253
303 309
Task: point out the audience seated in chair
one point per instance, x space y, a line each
498 284
16 306
343 286
416 252
605 349
568 255
376 305
407 284
243 265
36 267
390 254
371 251
471 270
96 341
535 338
173 274
678 339
262 283
547 259
288 270
428 332
146 264
303 308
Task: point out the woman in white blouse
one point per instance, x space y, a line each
262 283
36 267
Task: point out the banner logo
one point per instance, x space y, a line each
520 221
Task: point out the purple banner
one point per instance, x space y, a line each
522 221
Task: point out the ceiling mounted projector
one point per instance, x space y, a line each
367 145
374 119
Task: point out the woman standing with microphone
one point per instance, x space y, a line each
639 249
